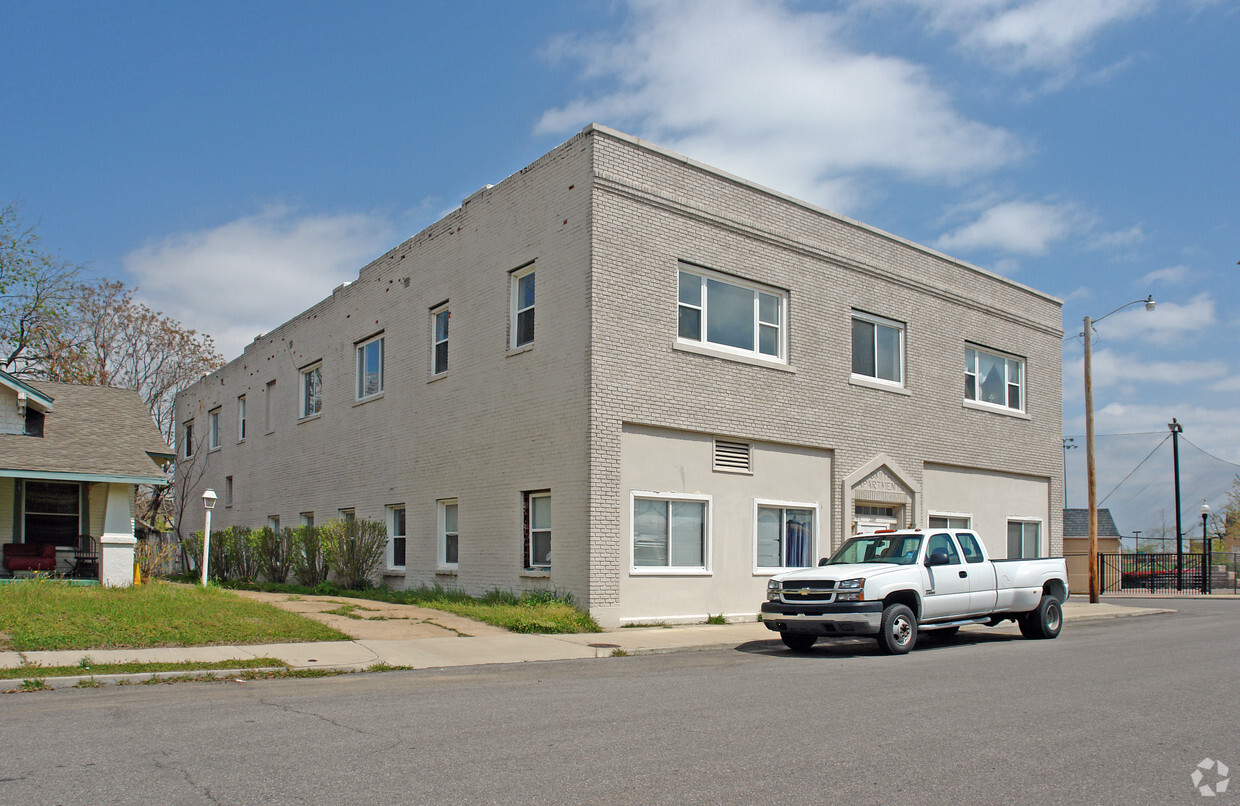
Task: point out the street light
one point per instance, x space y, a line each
208 503
1205 547
1091 477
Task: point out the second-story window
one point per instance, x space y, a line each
189 439
877 348
311 390
993 379
731 315
370 367
213 429
439 339
522 307
241 418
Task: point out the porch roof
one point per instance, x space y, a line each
94 433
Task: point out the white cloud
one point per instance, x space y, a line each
1173 275
1019 227
1215 430
246 277
777 96
1118 239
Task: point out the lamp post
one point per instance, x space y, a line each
1091 476
1176 430
1205 547
208 503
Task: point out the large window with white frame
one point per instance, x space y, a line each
311 398
994 379
731 315
396 536
522 307
448 548
671 533
536 516
1024 538
877 348
784 535
213 428
370 367
440 317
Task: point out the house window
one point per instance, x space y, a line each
273 522
348 515
785 536
522 306
307 518
370 368
993 379
228 491
537 522
1024 539
311 390
670 532
449 542
877 348
34 422
730 315
396 537
268 399
439 339
951 522
189 439
213 423
52 513
241 418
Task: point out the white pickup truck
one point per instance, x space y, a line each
893 584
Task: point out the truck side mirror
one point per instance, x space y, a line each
823 561
938 558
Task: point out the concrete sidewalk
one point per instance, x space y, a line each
442 652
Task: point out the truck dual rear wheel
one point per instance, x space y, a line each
798 641
897 631
1043 622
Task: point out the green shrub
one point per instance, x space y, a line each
241 546
275 553
357 549
311 560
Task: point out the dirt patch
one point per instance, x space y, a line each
364 619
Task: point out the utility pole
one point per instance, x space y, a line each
1176 430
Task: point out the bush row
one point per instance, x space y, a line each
350 552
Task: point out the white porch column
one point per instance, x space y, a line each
116 545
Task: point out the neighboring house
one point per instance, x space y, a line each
1076 544
629 376
70 459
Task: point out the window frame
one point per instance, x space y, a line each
306 518
273 523
442 563
515 309
949 517
26 511
359 349
228 491
706 569
390 555
213 429
702 306
875 321
241 418
528 531
783 507
1008 358
303 397
444 310
1025 522
187 428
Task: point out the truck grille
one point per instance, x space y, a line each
812 590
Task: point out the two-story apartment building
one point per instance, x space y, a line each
630 376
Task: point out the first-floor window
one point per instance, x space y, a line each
537 517
448 535
273 521
307 519
785 537
396 537
1024 539
951 522
311 390
52 512
669 532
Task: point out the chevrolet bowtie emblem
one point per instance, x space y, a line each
805 591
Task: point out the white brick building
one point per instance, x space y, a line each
661 384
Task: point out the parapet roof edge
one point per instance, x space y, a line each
701 166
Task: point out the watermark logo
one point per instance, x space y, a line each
1211 785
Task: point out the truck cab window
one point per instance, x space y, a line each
969 547
942 544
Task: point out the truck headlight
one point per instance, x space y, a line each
772 590
850 590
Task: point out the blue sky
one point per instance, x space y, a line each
238 160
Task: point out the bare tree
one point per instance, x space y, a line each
35 293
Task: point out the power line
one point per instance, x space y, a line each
1134 470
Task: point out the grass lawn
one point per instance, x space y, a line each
45 614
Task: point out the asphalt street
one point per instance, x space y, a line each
1118 711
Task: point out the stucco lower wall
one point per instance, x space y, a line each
990 499
666 461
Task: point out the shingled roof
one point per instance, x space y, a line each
93 433
1076 523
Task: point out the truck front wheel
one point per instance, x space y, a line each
898 630
798 641
1044 622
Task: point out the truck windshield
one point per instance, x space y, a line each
895 549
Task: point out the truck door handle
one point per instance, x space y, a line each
964 574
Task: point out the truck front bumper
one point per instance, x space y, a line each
845 618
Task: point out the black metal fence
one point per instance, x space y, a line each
1159 573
